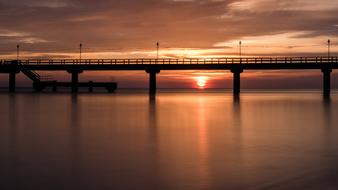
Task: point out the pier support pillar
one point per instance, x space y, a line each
54 86
326 81
152 80
12 81
75 79
237 81
90 86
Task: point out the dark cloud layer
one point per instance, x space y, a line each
136 24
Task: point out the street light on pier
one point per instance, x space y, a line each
80 51
240 49
17 52
240 52
157 47
328 48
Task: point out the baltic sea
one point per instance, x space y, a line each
180 140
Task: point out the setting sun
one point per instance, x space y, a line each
201 82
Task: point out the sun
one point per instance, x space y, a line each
201 82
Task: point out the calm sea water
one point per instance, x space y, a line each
180 140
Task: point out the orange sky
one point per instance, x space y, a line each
184 28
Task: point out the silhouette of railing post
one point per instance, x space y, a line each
152 80
326 81
237 80
75 79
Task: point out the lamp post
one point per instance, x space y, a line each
240 52
328 48
240 49
80 51
157 47
17 52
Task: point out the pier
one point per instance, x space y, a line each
153 67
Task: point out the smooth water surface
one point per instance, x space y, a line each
180 140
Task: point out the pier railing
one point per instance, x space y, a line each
255 60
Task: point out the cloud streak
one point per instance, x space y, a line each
128 24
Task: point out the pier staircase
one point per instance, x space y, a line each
37 79
34 76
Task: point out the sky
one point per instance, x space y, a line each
184 28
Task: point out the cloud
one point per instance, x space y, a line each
8 37
282 5
36 3
7 33
180 26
